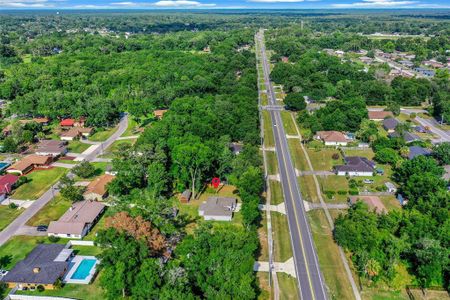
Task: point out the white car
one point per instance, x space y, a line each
3 273
368 181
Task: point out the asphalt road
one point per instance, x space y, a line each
21 220
310 279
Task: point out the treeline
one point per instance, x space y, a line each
148 251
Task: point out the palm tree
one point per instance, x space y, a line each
372 268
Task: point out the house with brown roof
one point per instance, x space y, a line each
97 189
75 133
159 113
51 148
28 163
380 115
332 138
43 120
77 220
373 202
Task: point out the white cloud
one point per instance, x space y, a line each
25 3
182 3
275 1
125 3
375 3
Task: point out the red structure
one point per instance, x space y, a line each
215 182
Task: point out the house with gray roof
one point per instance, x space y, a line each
390 124
355 166
417 150
407 136
43 266
218 209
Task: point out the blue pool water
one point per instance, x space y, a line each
3 165
84 268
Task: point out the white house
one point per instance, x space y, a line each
218 209
356 166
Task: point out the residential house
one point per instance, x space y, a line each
159 113
96 190
332 138
355 166
7 183
218 209
373 202
28 163
421 129
433 63
75 133
366 60
407 136
68 123
77 221
391 188
43 121
425 72
380 115
415 151
185 196
45 265
407 63
51 148
390 124
110 171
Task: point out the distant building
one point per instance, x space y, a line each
355 166
407 63
425 72
218 209
45 265
391 188
77 221
390 124
67 123
75 133
96 190
7 183
51 148
185 196
407 136
380 115
433 63
159 113
415 151
366 60
373 202
332 138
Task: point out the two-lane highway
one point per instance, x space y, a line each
310 280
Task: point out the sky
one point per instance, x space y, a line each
221 4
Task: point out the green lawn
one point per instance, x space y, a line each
77 147
264 100
329 259
276 193
68 161
100 168
40 182
91 291
298 155
111 150
288 123
269 140
282 242
132 126
263 283
52 211
272 163
7 215
288 286
102 135
87 250
263 254
367 153
98 226
334 183
321 159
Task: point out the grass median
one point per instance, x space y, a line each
282 240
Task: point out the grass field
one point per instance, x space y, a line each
7 215
269 140
288 286
330 262
52 211
263 242
264 100
115 146
77 147
298 155
276 193
282 242
321 159
98 226
288 123
102 135
368 153
308 188
40 182
262 279
334 183
132 126
272 163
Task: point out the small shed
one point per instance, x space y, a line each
185 196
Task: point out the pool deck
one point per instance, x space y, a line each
76 261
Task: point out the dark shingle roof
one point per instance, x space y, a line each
390 123
356 164
42 257
416 151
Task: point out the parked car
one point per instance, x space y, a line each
42 228
368 181
3 273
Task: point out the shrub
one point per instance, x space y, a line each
335 156
353 192
53 239
40 288
12 205
342 192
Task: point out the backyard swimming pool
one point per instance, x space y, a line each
4 165
84 269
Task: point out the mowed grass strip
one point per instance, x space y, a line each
288 123
102 135
263 254
329 258
276 193
334 183
40 182
77 147
269 140
282 241
321 159
298 155
7 215
288 286
308 188
272 163
52 211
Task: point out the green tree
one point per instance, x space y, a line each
295 101
84 169
442 153
69 191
